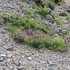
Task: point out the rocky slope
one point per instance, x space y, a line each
14 56
17 57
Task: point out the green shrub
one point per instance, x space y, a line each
52 3
25 21
42 10
34 5
20 39
67 18
32 24
63 14
39 42
56 43
57 19
21 6
9 17
59 44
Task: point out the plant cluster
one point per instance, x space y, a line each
57 43
67 18
42 10
24 29
57 19
63 14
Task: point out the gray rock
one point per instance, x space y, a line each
56 35
10 49
50 63
40 51
3 31
1 21
1 58
20 68
29 58
2 63
3 55
24 11
49 10
49 68
5 28
4 68
68 10
50 18
17 63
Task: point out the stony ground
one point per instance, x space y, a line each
14 56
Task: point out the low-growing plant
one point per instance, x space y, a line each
42 10
21 6
63 14
39 42
34 5
57 19
59 43
9 17
56 43
42 40
67 18
26 21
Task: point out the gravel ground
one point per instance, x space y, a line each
14 56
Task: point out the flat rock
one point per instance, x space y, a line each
1 58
